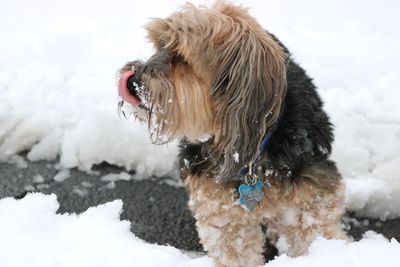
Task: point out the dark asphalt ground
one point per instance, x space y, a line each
157 210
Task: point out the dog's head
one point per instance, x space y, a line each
216 73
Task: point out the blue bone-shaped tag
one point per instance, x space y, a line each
251 194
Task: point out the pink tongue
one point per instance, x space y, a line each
124 91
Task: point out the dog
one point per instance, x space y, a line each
254 138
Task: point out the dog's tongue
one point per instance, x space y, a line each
124 91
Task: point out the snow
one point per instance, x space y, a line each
37 179
339 253
58 98
58 95
112 177
236 157
34 235
61 175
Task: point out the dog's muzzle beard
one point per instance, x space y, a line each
157 67
146 90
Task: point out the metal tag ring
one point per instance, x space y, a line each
250 179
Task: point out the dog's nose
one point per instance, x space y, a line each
133 83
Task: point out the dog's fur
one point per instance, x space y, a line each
220 83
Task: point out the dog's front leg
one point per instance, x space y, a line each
231 235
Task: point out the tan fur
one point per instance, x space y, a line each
194 119
295 213
231 235
228 58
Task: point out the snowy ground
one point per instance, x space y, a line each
33 235
57 97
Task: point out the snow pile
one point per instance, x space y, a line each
58 96
58 93
32 234
372 251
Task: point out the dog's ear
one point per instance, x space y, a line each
248 88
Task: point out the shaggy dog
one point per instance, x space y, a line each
255 140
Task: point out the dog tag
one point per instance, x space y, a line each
250 195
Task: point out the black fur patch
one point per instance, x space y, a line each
301 137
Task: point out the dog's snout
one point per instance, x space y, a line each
133 83
127 87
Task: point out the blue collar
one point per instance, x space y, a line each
245 170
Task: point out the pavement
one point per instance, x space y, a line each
156 207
